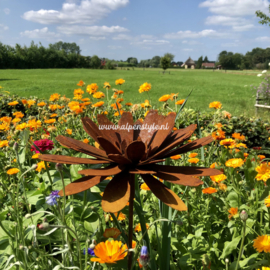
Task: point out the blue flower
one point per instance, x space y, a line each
51 199
144 256
90 252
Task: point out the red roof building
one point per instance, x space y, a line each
208 65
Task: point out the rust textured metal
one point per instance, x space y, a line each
133 152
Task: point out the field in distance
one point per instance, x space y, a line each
231 88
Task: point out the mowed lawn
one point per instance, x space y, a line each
232 89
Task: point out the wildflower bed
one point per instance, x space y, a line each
224 220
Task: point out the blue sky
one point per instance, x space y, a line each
118 29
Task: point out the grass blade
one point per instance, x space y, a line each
183 105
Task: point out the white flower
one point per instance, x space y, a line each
264 71
259 75
269 64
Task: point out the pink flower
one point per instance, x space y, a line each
43 145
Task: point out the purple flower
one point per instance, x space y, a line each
51 199
90 252
43 144
144 256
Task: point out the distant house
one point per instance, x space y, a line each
208 65
189 64
219 67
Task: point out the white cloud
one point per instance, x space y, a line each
7 10
235 7
148 42
191 42
39 33
97 38
242 28
90 30
122 37
189 34
263 39
87 12
225 20
3 27
147 36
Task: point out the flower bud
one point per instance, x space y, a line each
34 166
27 216
226 260
15 146
44 226
244 215
92 246
59 167
144 256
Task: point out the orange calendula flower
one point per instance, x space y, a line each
40 166
41 104
69 131
144 186
164 98
21 126
246 154
111 233
35 156
218 178
209 190
239 145
238 136
218 125
226 114
85 99
175 157
139 229
213 165
234 162
227 142
110 252
222 187
119 82
98 95
92 88
193 160
86 141
267 201
30 103
173 96
50 121
119 100
53 115
117 113
81 83
16 120
261 157
263 172
98 104
3 143
107 85
13 103
180 102
34 123
13 171
262 243
53 107
78 92
193 155
233 212
215 105
24 101
145 87
128 104
121 216
18 114
218 135
54 97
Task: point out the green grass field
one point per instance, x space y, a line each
232 88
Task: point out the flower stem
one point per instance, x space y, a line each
47 170
130 228
242 245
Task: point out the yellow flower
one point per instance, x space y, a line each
98 104
120 217
222 187
81 83
209 190
40 166
164 98
30 103
234 162
86 141
50 121
145 87
227 142
263 172
241 145
13 171
54 97
119 81
262 243
180 102
21 126
18 114
53 107
233 212
92 88
107 85
144 186
3 143
78 92
215 105
218 178
110 252
13 103
69 131
267 201
34 123
193 160
139 229
117 113
98 95
111 233
35 156
218 135
41 104
238 136
16 120
193 155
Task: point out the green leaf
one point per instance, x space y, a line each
232 199
230 247
3 215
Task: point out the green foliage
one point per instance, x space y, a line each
264 18
165 62
199 62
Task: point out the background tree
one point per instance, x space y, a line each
205 60
170 56
165 62
199 62
264 17
155 61
95 61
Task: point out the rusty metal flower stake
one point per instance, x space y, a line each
130 152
